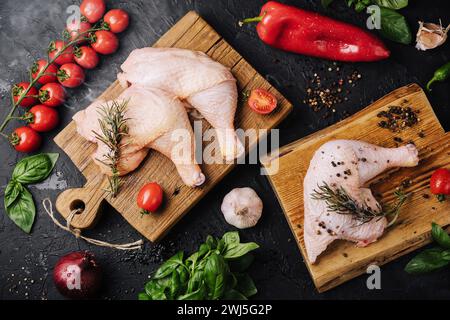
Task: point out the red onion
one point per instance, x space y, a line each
77 275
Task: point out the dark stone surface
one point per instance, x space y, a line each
26 261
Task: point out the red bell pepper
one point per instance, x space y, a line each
309 33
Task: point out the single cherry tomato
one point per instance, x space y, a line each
262 101
117 20
25 139
42 118
93 10
150 197
78 31
104 42
52 94
49 74
440 183
71 75
86 57
29 99
56 47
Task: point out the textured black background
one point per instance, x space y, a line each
26 261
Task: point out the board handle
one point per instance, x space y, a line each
87 200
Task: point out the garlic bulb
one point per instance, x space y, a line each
430 35
242 208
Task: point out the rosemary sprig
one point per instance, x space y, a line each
339 201
113 128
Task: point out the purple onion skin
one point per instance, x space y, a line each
77 275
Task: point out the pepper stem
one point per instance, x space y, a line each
441 197
430 82
250 20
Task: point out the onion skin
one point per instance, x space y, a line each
77 275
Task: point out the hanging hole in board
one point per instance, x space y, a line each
77 205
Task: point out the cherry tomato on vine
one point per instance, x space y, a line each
25 139
71 75
29 100
93 10
48 76
262 101
42 118
55 47
78 31
104 42
86 57
52 94
150 197
440 183
117 20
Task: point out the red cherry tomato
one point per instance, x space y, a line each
52 94
78 31
48 76
440 183
29 100
71 75
262 101
117 20
25 139
56 47
150 197
93 10
86 57
104 42
42 118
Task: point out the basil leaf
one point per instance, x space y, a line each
22 211
234 295
392 4
245 285
440 236
169 266
35 168
215 273
143 296
231 237
155 290
175 284
199 294
241 264
195 281
326 3
237 250
427 261
394 26
12 191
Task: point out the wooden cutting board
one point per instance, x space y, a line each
343 260
191 32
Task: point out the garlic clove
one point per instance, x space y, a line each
242 208
430 35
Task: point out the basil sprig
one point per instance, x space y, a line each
215 271
432 259
18 200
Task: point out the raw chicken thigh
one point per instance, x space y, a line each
349 164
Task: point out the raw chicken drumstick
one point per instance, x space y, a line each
349 164
154 117
189 76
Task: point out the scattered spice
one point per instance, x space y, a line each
397 118
421 134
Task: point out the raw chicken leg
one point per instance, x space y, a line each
153 117
348 164
190 76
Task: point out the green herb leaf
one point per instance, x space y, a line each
215 273
195 281
427 261
231 237
169 266
392 4
326 3
199 294
12 192
234 295
35 168
440 236
175 284
245 285
22 211
143 296
237 250
394 26
155 290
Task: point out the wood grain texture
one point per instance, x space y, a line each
343 260
191 32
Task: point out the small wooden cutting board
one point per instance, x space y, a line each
343 260
193 33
